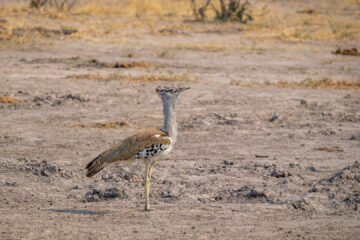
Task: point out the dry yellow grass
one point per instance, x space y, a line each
9 100
290 25
134 79
134 8
323 83
306 83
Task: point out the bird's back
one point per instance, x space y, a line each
142 145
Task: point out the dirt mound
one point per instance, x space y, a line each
293 169
339 191
246 193
123 174
53 100
108 194
44 169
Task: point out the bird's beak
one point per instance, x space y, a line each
183 89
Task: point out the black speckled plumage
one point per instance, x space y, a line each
151 151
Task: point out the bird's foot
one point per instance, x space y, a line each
148 209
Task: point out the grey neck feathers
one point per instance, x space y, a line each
170 118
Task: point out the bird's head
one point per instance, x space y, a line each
170 94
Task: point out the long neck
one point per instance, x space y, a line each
170 119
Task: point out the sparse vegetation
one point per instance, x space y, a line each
117 124
306 83
86 18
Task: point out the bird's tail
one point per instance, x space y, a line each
96 165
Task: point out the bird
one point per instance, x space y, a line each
147 146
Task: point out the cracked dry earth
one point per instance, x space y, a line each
250 162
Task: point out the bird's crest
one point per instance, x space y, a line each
170 90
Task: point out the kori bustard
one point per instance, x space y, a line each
148 146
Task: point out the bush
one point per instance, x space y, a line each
37 3
199 13
61 5
225 10
233 10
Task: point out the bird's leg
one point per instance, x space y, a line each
147 187
148 170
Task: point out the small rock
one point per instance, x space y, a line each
313 169
170 194
255 194
227 163
273 118
280 173
109 193
355 137
13 184
303 204
68 31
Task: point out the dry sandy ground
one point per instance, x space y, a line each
256 162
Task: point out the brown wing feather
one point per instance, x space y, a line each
127 149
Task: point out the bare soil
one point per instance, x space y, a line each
251 162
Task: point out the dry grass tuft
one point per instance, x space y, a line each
330 149
99 64
202 47
141 64
117 124
9 100
134 79
309 11
347 52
